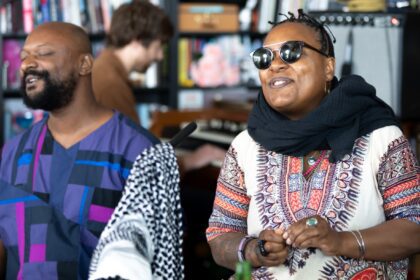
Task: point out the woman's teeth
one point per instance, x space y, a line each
278 83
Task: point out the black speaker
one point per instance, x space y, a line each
383 48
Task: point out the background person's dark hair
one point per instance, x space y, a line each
139 20
324 36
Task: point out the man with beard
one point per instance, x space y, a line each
61 179
137 34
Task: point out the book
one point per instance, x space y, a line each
3 20
28 19
191 99
11 63
16 17
106 14
98 15
84 15
93 22
45 10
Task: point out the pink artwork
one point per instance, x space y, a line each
213 69
11 63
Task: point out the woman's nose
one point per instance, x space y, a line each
278 64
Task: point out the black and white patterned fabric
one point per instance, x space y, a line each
143 239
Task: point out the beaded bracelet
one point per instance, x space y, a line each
242 245
360 242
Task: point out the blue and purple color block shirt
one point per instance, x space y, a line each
55 202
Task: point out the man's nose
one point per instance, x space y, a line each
28 63
159 56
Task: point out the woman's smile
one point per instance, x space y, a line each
279 82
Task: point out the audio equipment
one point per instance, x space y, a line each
383 48
181 135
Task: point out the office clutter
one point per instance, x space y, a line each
393 49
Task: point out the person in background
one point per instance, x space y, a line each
61 178
137 34
322 184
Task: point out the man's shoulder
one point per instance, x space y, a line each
125 138
133 130
106 59
26 136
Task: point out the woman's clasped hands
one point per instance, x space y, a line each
272 246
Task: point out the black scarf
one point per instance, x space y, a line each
349 111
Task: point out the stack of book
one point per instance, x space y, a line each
21 16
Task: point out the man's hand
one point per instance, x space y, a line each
201 157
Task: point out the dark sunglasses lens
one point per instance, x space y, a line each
262 58
290 52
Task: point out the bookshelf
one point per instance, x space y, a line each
13 34
168 92
203 52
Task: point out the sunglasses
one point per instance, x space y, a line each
290 52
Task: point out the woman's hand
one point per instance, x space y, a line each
304 235
274 246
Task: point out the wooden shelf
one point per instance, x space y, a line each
152 95
216 34
11 93
22 36
143 95
221 87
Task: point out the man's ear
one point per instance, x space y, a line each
86 64
330 68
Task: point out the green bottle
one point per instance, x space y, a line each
243 271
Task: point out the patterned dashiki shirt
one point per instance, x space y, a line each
55 202
258 189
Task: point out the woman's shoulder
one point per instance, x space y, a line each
242 138
386 139
243 143
385 135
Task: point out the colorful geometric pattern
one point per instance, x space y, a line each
231 202
55 202
399 180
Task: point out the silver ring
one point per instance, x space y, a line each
311 222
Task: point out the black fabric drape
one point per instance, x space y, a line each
349 111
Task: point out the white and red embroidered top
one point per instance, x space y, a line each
259 189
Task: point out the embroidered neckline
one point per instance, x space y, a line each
312 167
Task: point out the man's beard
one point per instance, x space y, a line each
56 94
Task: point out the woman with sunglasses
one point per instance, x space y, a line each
322 184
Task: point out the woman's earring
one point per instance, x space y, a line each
327 88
